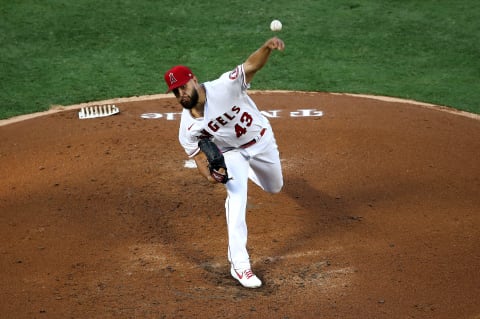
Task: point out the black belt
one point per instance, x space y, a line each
255 140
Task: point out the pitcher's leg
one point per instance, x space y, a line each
266 170
235 209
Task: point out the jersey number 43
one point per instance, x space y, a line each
246 120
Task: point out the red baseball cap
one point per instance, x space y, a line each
177 76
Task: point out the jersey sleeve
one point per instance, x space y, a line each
188 133
237 75
189 145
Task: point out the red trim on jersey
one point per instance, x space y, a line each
234 74
255 140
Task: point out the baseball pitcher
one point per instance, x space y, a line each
230 140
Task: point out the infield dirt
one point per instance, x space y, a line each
378 218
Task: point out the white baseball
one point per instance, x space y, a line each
275 25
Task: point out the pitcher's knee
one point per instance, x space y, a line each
275 188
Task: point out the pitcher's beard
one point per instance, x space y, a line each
192 101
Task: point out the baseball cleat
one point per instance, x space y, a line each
246 278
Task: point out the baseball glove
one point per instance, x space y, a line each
215 159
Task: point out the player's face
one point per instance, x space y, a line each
187 95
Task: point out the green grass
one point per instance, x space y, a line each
65 52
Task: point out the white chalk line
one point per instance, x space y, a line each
413 102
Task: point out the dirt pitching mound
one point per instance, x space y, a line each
379 216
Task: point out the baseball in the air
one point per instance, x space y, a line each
275 25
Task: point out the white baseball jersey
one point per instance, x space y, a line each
230 115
